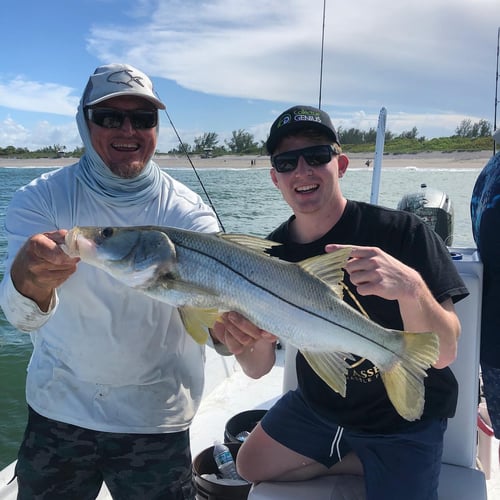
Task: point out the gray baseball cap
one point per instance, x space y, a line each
113 80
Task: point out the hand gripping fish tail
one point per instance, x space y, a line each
404 382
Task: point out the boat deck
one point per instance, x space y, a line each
234 394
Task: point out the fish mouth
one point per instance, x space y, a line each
70 245
77 245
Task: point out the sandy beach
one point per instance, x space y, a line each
474 159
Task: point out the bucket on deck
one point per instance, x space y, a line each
244 421
204 463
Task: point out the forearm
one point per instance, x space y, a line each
27 287
422 313
257 360
21 311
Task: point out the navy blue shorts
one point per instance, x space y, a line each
491 390
402 465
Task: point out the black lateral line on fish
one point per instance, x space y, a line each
235 271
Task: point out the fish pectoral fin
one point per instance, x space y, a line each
331 367
183 287
404 382
328 268
252 242
197 321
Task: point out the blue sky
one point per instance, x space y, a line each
224 65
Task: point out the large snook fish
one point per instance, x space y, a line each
205 274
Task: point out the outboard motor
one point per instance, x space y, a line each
434 207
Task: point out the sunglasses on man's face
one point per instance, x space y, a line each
114 118
315 156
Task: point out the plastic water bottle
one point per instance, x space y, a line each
224 461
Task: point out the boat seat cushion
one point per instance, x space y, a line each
455 482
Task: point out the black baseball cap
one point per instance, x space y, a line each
297 118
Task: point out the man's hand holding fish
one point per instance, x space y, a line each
375 272
253 347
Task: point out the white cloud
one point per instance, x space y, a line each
430 63
41 135
26 95
12 133
431 54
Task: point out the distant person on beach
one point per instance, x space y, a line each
485 216
114 380
402 275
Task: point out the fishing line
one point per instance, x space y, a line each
321 58
183 147
184 150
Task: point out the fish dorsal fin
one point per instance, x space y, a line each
253 242
197 321
330 367
328 268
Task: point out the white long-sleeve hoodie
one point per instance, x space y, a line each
105 357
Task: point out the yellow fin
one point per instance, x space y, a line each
252 242
328 268
197 321
404 382
330 367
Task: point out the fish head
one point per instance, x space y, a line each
136 256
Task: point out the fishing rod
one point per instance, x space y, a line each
321 58
185 151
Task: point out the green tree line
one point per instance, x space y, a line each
469 136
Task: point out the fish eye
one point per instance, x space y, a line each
107 232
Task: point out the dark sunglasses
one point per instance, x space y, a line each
315 156
114 118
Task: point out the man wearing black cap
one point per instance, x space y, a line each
114 381
403 277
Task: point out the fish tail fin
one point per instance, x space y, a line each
404 381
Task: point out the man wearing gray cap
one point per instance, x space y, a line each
114 381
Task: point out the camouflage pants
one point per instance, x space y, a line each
62 461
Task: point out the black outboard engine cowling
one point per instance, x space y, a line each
434 207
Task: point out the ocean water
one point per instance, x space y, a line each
247 202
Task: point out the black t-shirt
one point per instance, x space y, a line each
403 235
